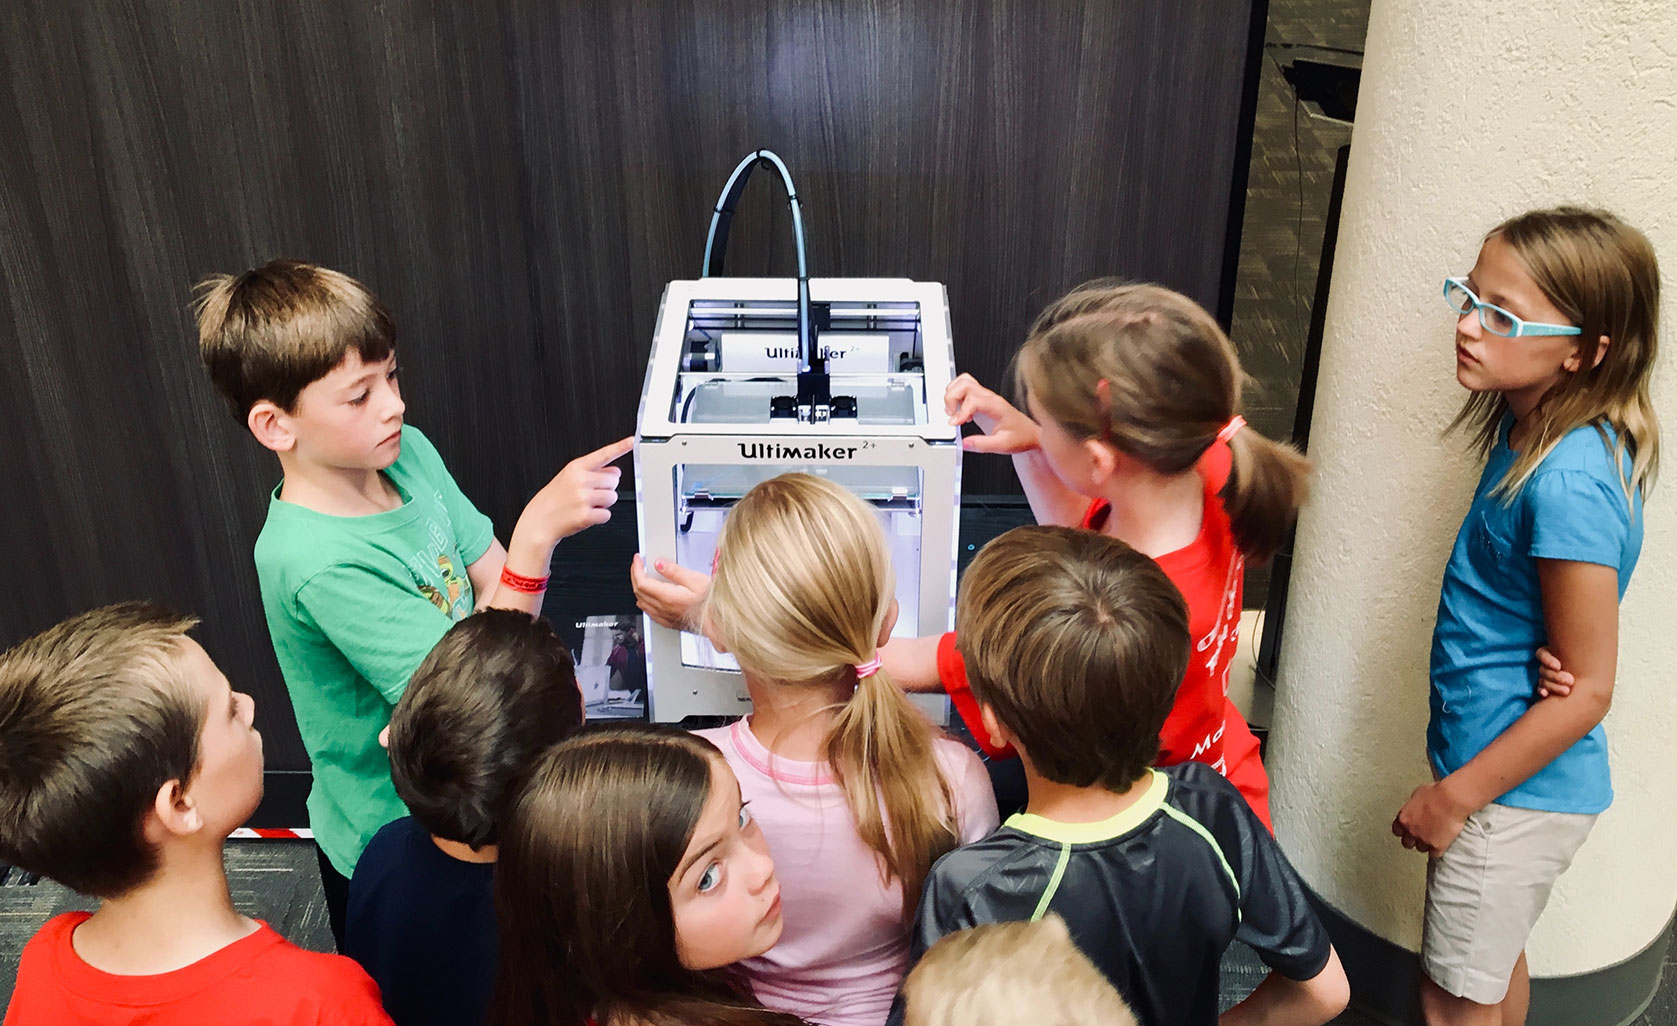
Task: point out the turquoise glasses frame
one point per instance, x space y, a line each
1514 326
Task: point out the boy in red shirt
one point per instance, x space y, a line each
125 761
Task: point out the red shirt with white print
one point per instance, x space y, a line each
1203 725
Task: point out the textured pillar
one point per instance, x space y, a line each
1469 112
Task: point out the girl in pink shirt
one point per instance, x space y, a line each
855 791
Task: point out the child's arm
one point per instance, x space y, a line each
1279 1001
1307 984
579 496
1007 430
485 573
911 663
1581 614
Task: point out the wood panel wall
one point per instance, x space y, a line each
518 180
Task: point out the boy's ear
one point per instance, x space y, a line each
999 735
271 426
173 814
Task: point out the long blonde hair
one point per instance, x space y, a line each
1602 274
802 587
1173 382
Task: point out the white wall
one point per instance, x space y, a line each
1468 113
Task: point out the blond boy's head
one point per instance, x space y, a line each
1005 974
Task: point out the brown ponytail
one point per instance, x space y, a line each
802 588
1268 481
1173 382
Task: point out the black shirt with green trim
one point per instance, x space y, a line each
1153 895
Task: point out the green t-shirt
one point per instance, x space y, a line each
353 606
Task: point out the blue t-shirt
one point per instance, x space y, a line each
1490 615
422 924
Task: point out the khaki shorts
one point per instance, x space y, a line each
1485 892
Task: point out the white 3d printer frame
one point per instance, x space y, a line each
667 441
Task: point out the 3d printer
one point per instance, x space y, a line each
750 378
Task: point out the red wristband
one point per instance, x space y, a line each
518 582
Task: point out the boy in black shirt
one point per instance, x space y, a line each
494 693
1074 644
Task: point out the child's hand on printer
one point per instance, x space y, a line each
668 601
1006 430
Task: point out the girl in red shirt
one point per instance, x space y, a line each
1132 428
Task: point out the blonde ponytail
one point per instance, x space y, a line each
881 752
801 593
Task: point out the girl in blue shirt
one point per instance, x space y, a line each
1555 341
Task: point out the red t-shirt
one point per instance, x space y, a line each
260 980
1203 725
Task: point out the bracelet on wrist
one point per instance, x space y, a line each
527 585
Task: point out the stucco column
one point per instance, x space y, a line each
1470 112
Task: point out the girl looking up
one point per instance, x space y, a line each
631 877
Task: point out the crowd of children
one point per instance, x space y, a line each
832 858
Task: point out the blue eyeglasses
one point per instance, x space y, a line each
1495 319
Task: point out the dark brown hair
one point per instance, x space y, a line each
272 331
1173 381
582 888
490 697
95 717
1603 275
1078 643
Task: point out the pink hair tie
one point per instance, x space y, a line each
869 668
1235 423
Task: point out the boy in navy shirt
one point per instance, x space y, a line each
494 693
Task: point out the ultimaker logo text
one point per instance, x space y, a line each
774 451
793 352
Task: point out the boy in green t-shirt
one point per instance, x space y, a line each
370 550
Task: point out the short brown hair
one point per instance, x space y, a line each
95 717
494 693
1078 643
1003 974
272 331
